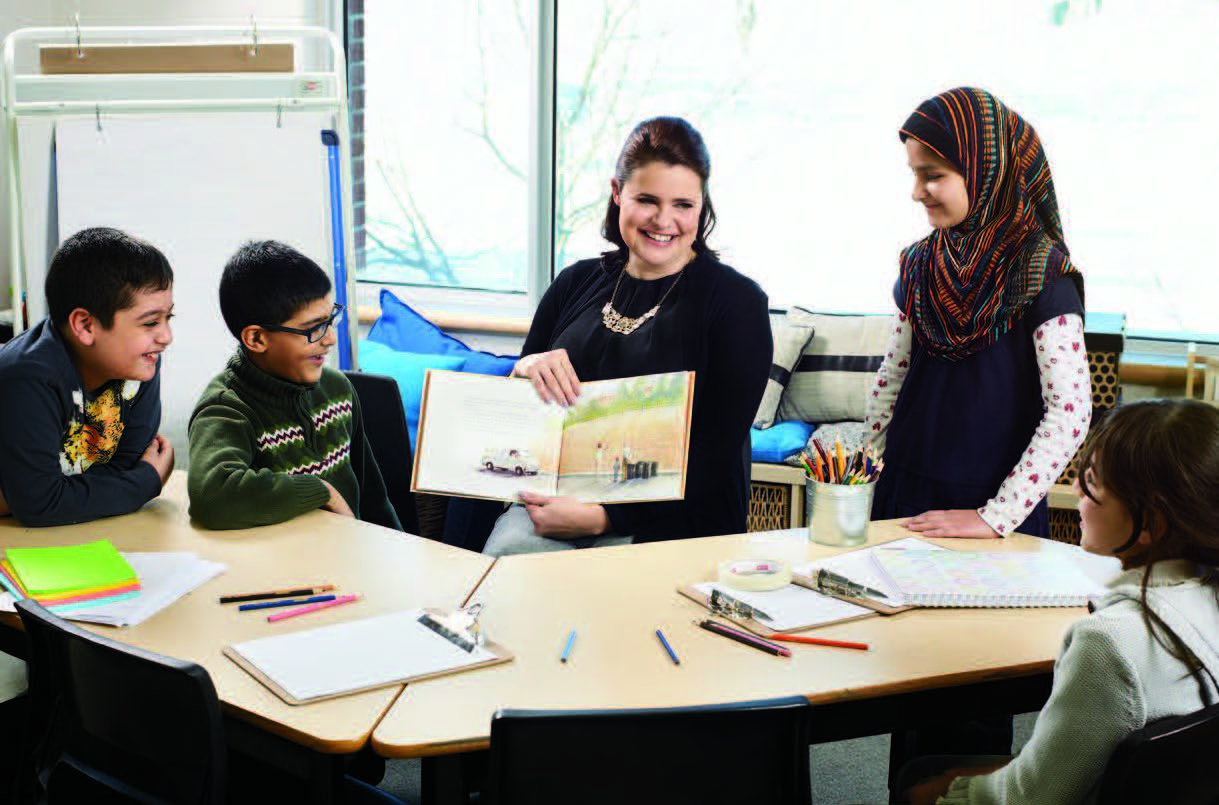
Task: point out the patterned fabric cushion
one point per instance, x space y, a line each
851 435
791 331
830 382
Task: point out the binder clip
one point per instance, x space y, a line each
460 627
724 604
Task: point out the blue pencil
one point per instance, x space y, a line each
668 648
287 602
571 638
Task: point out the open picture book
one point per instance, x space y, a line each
624 440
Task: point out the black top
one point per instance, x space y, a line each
70 454
716 322
959 428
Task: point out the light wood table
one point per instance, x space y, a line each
392 570
617 597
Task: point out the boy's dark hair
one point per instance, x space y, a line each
268 282
100 270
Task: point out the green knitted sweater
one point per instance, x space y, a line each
261 446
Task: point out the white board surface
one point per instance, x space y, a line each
197 186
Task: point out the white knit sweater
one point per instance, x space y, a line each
1112 678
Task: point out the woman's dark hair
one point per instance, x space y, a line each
1160 459
672 141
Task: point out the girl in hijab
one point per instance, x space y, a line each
983 396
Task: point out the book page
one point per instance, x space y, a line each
485 436
627 439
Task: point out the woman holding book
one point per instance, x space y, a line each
1148 488
659 301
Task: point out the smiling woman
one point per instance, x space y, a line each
658 301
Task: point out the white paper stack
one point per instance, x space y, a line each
164 578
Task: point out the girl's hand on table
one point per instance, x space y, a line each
564 517
551 374
964 523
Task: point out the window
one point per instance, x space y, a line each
440 99
800 104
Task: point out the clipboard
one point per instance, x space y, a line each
314 665
834 610
879 607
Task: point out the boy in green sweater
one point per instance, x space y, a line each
277 433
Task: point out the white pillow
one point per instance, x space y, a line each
791 331
831 381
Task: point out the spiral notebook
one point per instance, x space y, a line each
986 579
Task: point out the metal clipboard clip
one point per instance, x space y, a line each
828 581
729 606
460 627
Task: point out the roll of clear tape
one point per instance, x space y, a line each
755 575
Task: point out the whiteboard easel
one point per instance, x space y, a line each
70 79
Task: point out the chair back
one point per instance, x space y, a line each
1169 760
385 430
735 753
1210 374
113 723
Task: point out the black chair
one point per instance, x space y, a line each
1167 761
734 753
112 723
385 428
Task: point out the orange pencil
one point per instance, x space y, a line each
818 641
838 460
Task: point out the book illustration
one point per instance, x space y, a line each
623 440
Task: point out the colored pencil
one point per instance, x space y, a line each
571 638
819 641
237 599
672 654
286 602
292 613
743 637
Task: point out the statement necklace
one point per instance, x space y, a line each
616 322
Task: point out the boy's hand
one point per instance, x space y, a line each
336 503
160 454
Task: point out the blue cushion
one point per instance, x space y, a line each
403 329
407 368
779 441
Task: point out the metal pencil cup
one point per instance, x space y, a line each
837 514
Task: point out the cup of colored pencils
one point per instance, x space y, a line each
838 493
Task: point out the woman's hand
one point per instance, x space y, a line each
966 523
552 375
564 518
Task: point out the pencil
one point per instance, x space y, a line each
819 641
571 638
672 654
292 613
286 602
744 637
237 599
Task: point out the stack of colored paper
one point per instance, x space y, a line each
69 577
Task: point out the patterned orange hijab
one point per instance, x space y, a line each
966 285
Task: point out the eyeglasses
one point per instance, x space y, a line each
315 333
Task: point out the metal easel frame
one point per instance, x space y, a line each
26 91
